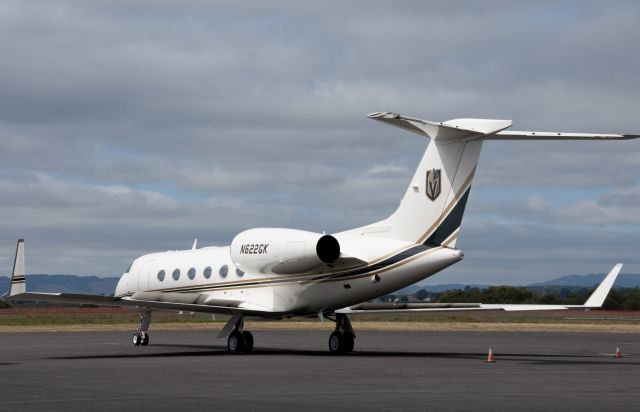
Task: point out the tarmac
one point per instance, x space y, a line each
292 370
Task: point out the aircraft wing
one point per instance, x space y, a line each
18 292
220 307
595 301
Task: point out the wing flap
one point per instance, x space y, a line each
487 129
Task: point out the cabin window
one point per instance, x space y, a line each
176 274
207 272
239 272
224 270
192 273
161 275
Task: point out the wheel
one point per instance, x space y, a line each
136 339
335 342
145 339
340 343
235 342
247 341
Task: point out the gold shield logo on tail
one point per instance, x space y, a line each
433 183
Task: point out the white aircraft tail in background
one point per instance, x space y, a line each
277 273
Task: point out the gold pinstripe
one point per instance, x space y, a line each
391 267
273 279
218 287
451 238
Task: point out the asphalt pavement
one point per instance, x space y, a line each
292 370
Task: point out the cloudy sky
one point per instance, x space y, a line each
136 126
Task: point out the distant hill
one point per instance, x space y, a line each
410 290
66 283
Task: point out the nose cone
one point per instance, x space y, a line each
122 286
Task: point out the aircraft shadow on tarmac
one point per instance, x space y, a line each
208 351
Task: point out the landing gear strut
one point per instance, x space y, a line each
239 340
141 337
342 338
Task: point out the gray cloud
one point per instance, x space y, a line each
135 126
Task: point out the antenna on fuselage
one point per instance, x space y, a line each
195 244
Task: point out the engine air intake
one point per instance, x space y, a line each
328 249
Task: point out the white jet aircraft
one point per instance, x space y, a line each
280 273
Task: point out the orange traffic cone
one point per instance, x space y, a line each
618 352
490 358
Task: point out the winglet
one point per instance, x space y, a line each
18 278
598 297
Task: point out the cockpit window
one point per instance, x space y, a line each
129 268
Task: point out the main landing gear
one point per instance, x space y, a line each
239 340
141 337
341 340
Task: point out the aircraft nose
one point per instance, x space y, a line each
121 287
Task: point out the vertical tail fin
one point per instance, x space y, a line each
431 210
18 279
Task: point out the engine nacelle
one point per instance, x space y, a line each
282 251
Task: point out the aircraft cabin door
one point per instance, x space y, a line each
143 276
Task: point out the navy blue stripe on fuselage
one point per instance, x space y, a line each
382 264
450 224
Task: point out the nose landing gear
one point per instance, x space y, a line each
141 337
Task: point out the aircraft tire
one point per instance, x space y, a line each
235 342
340 343
336 342
247 341
136 339
145 339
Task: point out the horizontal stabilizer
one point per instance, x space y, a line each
486 129
456 129
516 135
